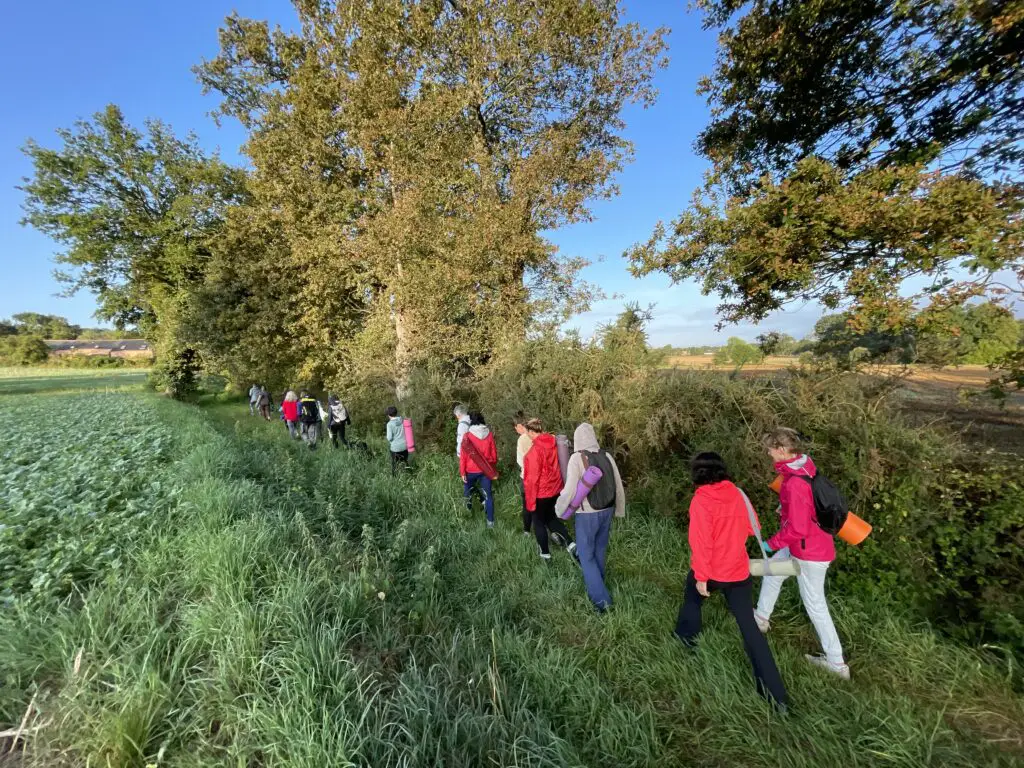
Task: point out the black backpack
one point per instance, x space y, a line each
310 411
602 495
830 506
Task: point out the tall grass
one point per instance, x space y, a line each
306 609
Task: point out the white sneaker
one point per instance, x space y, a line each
843 670
762 624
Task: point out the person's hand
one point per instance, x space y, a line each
463 478
767 550
702 589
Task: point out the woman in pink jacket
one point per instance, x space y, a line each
800 538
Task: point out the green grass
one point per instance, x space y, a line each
32 380
305 609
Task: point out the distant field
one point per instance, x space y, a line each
17 381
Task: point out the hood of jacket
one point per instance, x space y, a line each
544 441
801 465
717 495
585 439
479 431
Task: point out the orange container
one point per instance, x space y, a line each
776 484
854 530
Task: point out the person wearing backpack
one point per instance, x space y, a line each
337 419
254 397
542 482
395 433
605 500
310 416
264 403
478 459
290 411
720 522
802 538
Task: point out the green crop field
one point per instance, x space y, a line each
31 380
184 586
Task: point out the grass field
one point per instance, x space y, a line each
238 600
32 380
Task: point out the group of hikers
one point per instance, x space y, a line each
586 482
304 415
558 481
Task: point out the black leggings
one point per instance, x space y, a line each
544 519
739 596
399 457
337 431
527 515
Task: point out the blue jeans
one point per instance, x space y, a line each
592 531
485 484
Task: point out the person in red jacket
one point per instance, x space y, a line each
542 482
719 527
478 461
290 410
800 538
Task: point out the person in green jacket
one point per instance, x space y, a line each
396 439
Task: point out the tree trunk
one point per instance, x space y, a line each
403 353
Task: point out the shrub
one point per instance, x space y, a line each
23 350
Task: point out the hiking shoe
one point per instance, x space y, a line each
762 623
571 549
528 533
690 645
558 538
843 670
490 523
546 558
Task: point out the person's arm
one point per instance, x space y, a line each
463 462
574 471
797 500
460 435
620 491
492 452
390 432
700 542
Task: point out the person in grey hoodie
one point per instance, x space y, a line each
396 439
607 499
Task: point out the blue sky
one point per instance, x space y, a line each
73 58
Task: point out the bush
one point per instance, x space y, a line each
23 350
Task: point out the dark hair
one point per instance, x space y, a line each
535 425
707 468
392 411
519 418
475 417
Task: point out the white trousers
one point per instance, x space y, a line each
811 582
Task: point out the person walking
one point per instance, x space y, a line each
395 433
263 403
605 500
801 538
290 411
337 420
720 522
310 414
523 445
478 460
542 482
254 397
461 413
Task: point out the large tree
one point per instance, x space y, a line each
415 150
136 213
855 144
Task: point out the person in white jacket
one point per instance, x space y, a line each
607 499
462 417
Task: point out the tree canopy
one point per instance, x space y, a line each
855 144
